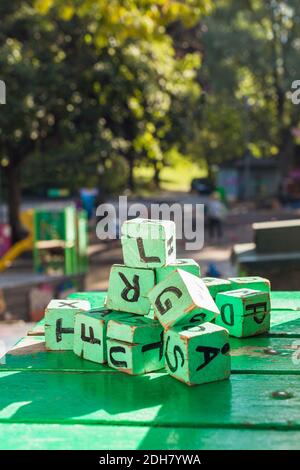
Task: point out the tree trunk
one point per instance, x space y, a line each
157 174
14 202
131 182
286 153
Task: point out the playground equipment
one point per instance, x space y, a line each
58 238
60 241
23 245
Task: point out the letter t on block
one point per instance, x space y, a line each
60 321
182 298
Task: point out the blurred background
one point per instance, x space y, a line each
163 101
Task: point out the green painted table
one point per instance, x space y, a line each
55 400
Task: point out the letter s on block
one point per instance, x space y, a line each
164 308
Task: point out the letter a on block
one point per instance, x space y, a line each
182 298
148 243
59 322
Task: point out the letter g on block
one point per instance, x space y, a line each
167 305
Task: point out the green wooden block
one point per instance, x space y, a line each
244 312
189 265
134 329
59 322
148 243
90 332
135 359
128 289
216 285
198 354
90 335
182 298
96 299
250 282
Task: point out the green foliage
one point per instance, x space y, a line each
94 82
251 59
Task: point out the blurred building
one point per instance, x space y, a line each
249 178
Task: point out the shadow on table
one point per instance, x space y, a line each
110 398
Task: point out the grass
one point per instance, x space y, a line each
177 177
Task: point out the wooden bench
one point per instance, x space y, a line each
55 400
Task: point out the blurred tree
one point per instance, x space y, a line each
251 57
89 81
47 68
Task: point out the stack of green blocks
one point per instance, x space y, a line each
158 312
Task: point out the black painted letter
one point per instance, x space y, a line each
117 349
89 339
60 330
167 304
230 321
143 256
159 344
176 350
135 287
259 310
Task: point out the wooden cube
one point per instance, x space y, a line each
128 289
216 285
135 345
250 282
244 312
90 334
198 354
96 299
134 329
189 265
148 243
60 321
182 298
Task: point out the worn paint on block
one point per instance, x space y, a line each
134 329
189 265
182 298
216 285
198 354
135 359
128 289
96 299
250 282
60 320
244 312
148 243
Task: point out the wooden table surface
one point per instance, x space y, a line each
55 400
